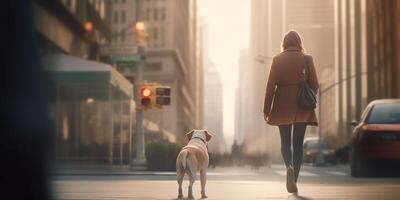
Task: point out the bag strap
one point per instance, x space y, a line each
306 70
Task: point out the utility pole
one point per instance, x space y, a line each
140 160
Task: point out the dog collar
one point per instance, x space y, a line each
201 140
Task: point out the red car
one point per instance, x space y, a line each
376 138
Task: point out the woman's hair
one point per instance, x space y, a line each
292 39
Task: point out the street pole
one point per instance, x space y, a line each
139 161
320 160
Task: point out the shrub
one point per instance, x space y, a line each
161 156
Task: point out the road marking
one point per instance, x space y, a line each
305 173
336 173
232 174
302 173
208 173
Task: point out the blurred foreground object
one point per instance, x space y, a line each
25 128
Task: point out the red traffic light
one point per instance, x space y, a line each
145 92
88 26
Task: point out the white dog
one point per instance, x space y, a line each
192 158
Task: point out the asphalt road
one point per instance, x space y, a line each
333 182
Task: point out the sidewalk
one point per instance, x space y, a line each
89 170
101 170
111 172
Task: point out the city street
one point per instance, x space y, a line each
332 182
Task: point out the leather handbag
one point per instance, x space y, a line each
306 96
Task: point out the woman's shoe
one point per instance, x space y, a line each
290 180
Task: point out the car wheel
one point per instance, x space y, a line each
358 165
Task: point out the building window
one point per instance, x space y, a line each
123 16
147 15
102 9
162 34
123 37
116 17
163 14
155 14
155 34
115 38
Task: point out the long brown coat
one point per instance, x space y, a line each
283 84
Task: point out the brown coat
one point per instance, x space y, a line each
283 84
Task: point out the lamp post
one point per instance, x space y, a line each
140 160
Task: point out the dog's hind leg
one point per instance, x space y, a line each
192 177
179 178
203 174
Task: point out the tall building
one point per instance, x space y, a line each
90 102
122 18
265 35
212 98
241 101
270 20
173 59
213 114
367 44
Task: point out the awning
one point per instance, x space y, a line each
92 78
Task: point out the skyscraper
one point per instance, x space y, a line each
212 98
172 60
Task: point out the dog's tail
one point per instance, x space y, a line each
184 156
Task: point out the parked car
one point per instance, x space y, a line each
310 151
376 137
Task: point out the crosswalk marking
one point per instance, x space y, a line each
336 173
232 174
302 173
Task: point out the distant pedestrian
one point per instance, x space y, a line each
235 151
289 70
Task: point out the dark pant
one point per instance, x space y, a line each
292 159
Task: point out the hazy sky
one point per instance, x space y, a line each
228 32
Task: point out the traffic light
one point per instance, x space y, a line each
140 33
89 29
147 96
163 95
153 95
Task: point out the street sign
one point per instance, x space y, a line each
163 95
120 59
165 101
163 91
118 50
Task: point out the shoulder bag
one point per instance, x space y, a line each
306 96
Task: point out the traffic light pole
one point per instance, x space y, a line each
139 161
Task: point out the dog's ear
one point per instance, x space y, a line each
189 135
208 136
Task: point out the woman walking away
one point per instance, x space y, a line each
289 71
